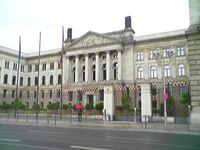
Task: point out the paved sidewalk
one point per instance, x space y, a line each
97 122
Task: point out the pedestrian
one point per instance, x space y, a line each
79 108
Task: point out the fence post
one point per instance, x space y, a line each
55 118
47 118
135 120
27 117
8 116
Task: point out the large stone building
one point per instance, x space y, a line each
102 67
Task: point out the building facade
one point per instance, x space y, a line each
95 62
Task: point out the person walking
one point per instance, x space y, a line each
79 108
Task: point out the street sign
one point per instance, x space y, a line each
165 96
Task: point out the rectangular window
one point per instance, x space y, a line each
4 93
59 64
50 93
22 68
180 51
152 54
35 94
52 66
140 56
36 67
20 94
80 95
14 66
70 95
13 93
43 67
29 68
6 64
28 94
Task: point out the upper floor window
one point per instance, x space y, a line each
59 64
6 64
153 72
93 72
43 80
51 80
52 66
140 73
59 79
21 81
29 68
167 71
5 80
152 54
22 68
29 81
4 93
140 55
43 67
181 70
14 80
166 53
36 80
13 93
83 73
36 67
14 66
180 51
104 71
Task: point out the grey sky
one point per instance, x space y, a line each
28 17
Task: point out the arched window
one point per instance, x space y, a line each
153 72
59 79
21 81
115 70
140 73
181 70
36 80
83 73
51 80
104 71
43 80
93 72
29 81
13 80
5 80
167 71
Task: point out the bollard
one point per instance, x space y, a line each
8 116
71 116
189 117
17 116
27 117
145 121
104 113
135 120
55 118
47 118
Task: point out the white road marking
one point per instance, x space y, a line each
46 132
86 148
10 140
135 139
32 146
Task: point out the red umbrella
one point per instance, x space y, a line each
79 107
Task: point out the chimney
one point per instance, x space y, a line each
128 22
69 33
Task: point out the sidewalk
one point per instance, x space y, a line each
97 122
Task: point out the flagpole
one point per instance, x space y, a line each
61 97
38 78
18 66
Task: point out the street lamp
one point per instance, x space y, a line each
169 54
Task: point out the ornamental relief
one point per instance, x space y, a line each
92 40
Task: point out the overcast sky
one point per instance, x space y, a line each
28 17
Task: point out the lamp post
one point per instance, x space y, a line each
165 95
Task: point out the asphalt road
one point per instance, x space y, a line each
26 137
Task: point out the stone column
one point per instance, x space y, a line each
109 101
146 103
86 68
97 67
108 65
67 70
119 65
76 69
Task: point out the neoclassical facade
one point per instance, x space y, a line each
93 63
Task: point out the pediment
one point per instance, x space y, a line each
92 39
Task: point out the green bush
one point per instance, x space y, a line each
126 102
36 107
53 106
6 106
119 108
185 99
99 106
88 107
65 106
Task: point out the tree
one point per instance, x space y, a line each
126 102
36 107
18 105
6 107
